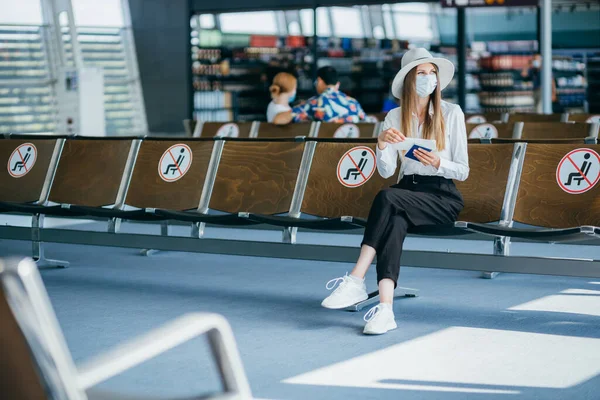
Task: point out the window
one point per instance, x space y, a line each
306 19
27 102
411 21
28 12
347 22
106 13
388 22
413 26
207 21
294 28
411 7
262 22
378 32
323 28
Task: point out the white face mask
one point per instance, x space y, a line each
426 84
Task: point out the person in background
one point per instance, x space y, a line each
283 92
330 105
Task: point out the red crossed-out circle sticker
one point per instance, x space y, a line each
175 162
578 171
347 131
476 119
356 167
228 130
594 119
484 131
22 160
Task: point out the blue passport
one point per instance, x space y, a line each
411 152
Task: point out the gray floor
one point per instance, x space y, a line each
517 336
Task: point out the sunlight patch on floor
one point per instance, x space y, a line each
469 360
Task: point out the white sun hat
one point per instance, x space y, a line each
418 56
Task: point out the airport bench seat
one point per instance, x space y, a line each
555 210
564 235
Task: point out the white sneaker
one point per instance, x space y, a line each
380 319
350 291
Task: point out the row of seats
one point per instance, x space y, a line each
479 118
519 130
533 131
532 117
281 181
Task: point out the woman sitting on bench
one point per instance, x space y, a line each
425 193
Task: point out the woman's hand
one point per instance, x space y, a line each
427 158
391 135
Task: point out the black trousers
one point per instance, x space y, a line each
415 201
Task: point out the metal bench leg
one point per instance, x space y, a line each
374 297
164 231
489 275
37 246
198 230
501 248
289 235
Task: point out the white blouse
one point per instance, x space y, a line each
454 160
273 109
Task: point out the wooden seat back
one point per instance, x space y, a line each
26 162
531 117
164 177
488 130
326 196
346 130
19 378
483 191
89 172
548 199
268 130
584 118
547 141
485 117
257 176
555 130
223 129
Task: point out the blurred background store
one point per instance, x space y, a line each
166 61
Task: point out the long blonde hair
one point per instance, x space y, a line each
282 83
433 127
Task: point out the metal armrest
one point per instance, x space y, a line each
166 337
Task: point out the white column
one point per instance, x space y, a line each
137 95
546 52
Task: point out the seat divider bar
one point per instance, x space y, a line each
114 224
518 130
51 173
377 129
198 129
289 233
502 243
512 185
594 128
209 184
315 127
37 220
254 129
